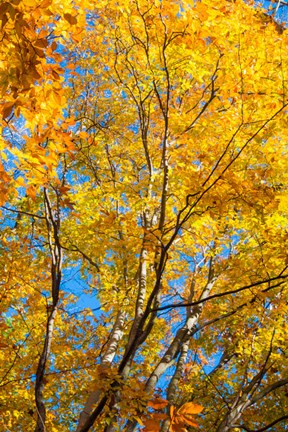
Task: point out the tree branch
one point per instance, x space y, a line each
264 428
219 295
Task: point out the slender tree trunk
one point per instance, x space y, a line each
53 228
113 342
181 337
39 387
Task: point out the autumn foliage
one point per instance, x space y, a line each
143 194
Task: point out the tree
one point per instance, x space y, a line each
143 156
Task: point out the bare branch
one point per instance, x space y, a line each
219 295
264 428
23 212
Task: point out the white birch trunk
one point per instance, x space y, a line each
115 337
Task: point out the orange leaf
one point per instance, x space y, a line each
64 189
3 345
53 46
39 52
34 73
190 408
7 109
189 419
55 75
41 43
46 3
151 425
70 18
159 416
3 9
158 403
177 427
172 411
31 192
184 416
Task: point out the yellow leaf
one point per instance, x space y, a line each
138 420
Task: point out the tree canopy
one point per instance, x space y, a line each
143 170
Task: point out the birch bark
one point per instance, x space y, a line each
107 359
